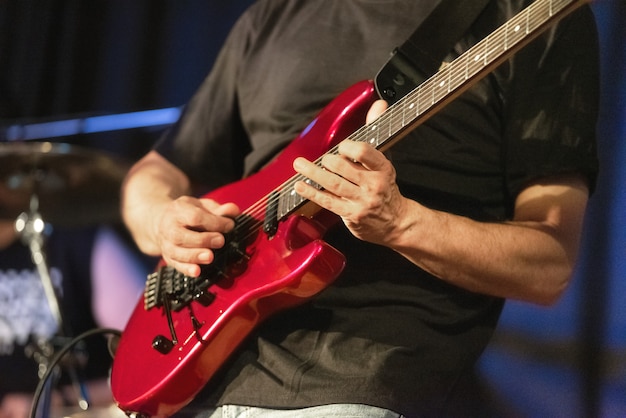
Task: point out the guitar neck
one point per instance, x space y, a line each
444 86
459 75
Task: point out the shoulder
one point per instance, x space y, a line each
264 17
265 12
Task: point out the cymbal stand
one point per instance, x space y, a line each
31 227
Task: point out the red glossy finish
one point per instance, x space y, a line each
282 272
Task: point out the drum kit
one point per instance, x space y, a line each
44 183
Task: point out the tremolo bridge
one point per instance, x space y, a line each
171 290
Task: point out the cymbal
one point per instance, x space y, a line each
74 185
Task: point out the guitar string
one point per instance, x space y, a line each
501 38
427 89
430 87
432 91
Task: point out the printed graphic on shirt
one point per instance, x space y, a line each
24 308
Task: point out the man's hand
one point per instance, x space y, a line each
530 257
189 229
165 221
359 185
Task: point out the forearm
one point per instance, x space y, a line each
165 220
530 258
150 186
518 260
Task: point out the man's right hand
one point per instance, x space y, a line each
189 229
165 221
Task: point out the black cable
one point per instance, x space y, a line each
57 358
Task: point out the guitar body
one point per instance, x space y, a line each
281 271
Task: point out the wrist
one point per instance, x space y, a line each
408 229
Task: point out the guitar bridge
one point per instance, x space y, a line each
178 290
171 290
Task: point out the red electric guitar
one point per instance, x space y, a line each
185 328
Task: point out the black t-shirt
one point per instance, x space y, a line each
25 315
386 333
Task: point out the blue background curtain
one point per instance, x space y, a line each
68 59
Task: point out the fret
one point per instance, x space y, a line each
463 70
295 200
486 51
543 13
506 35
373 139
287 202
466 66
492 50
499 42
375 132
441 87
497 47
476 64
435 90
393 124
418 95
432 93
514 32
398 124
416 100
388 123
455 76
412 106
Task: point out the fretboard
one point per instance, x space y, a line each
449 82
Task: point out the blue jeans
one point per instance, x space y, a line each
323 411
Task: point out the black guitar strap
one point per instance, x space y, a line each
422 54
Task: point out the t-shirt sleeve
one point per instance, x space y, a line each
553 106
